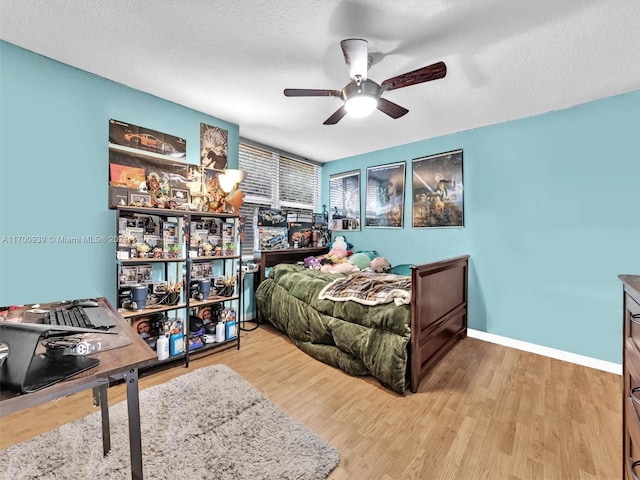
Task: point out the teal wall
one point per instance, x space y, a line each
552 216
54 172
551 202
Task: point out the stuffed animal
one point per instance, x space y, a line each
339 242
380 265
370 253
337 254
344 267
360 260
312 263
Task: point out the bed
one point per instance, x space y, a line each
397 344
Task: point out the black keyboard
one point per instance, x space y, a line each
70 317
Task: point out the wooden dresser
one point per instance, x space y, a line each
631 378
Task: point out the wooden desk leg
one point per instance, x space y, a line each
100 398
135 437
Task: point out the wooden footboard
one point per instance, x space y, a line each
439 295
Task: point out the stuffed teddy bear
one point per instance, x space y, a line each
380 265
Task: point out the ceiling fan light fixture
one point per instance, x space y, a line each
361 98
360 106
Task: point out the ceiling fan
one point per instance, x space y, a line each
362 96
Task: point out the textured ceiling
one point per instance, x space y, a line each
232 59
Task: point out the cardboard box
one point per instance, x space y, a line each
300 234
272 238
271 217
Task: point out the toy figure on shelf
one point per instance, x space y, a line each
154 188
216 205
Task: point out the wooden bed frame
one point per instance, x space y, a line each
439 294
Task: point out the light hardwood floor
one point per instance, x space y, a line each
485 412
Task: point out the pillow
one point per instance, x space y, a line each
402 269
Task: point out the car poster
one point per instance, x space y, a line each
139 138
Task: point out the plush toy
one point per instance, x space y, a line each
339 242
360 260
337 255
348 246
312 263
344 267
370 253
380 265
338 252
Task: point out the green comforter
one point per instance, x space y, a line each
356 338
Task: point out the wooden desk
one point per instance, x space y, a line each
117 363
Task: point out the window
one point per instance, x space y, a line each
275 180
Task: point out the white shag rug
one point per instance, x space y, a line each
207 424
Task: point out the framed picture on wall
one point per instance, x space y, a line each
146 140
344 199
385 196
213 147
438 190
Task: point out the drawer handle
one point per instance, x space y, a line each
636 318
632 467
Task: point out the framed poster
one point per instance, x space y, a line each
213 147
146 140
344 199
438 190
385 196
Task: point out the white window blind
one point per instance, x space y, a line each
275 180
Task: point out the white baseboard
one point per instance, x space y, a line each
547 352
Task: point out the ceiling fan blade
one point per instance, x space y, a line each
392 109
356 55
421 75
336 117
305 92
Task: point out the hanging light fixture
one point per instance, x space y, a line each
361 97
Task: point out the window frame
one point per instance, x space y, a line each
273 163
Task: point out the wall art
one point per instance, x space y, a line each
385 196
147 140
438 190
213 147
